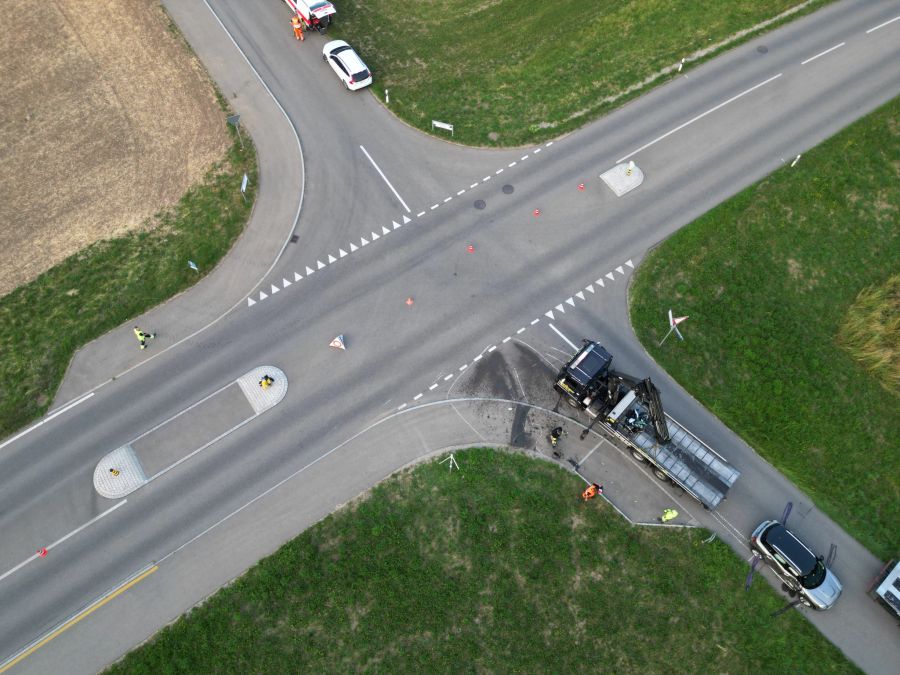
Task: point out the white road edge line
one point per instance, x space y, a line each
66 407
882 25
64 538
556 330
830 49
698 117
384 178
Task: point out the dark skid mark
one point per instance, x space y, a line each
518 437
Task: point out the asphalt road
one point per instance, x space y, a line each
699 139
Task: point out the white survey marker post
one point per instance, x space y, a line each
442 125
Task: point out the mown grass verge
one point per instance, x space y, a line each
507 72
770 280
498 567
42 323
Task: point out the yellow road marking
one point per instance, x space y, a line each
78 617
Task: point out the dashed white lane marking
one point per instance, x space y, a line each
548 144
485 179
520 331
511 164
699 117
433 387
463 367
830 49
537 150
473 185
447 199
498 171
434 206
448 377
556 330
420 214
384 178
523 158
401 406
460 192
882 25
417 396
535 321
478 358
491 348
507 339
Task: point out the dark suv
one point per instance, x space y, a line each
801 570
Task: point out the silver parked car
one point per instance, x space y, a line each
803 572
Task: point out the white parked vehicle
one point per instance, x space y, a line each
315 14
347 64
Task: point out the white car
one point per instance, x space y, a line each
347 64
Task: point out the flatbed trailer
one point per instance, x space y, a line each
631 411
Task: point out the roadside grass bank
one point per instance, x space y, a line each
508 73
775 281
498 567
44 322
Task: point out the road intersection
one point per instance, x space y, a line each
542 281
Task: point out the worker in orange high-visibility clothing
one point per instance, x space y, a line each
297 25
592 491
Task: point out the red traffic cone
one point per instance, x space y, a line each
470 249
42 552
409 301
537 212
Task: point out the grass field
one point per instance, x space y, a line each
499 567
507 72
794 332
43 322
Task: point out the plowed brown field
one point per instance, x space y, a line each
107 118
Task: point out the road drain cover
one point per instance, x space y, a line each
762 49
508 189
479 204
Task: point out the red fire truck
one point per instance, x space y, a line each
315 14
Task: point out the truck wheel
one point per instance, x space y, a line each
572 403
659 473
638 456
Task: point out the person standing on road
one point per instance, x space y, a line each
143 337
297 25
555 435
667 515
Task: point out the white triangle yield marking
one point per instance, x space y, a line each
384 230
309 270
549 315
395 224
406 220
250 302
559 308
620 270
285 283
570 301
320 265
297 277
342 252
331 259
363 241
580 295
353 247
275 289
630 264
262 295
375 236
609 275
590 287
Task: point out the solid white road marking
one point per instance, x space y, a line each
698 117
384 178
830 49
882 25
65 408
556 330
